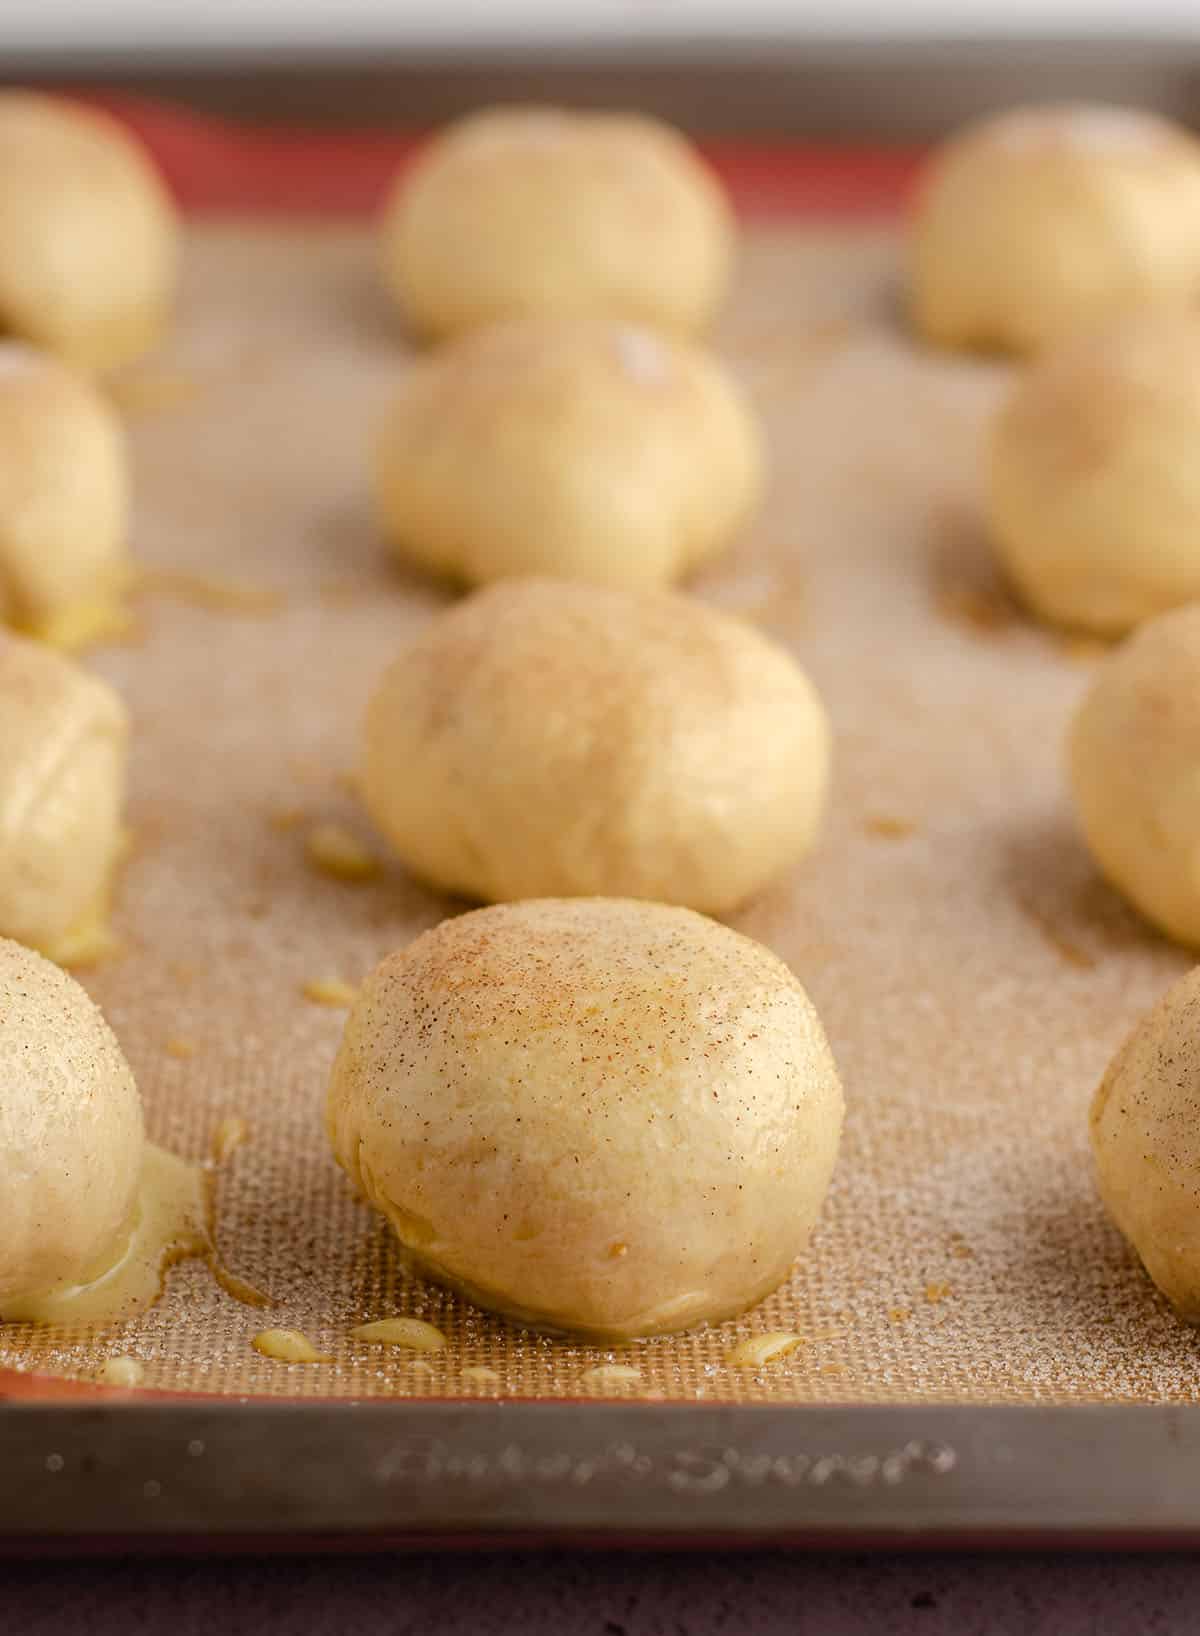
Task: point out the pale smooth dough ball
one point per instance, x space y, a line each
1038 221
1135 770
550 740
71 1136
587 449
1145 1129
64 493
1094 481
63 746
596 1115
88 233
519 211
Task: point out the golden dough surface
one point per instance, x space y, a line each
1134 753
517 211
1145 1129
542 739
71 1136
1042 220
88 233
584 448
64 491
1093 484
63 745
598 1115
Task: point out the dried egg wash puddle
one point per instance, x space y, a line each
173 1221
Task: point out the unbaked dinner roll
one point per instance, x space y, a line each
1135 770
596 1115
537 210
584 448
1145 1129
1035 222
543 739
71 1138
63 736
1094 481
64 498
87 233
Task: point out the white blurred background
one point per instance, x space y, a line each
78 27
823 69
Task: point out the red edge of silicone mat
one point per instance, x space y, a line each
215 166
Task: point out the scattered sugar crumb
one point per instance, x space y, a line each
413 1333
898 1315
336 851
936 1292
330 991
285 818
126 1372
610 1374
178 1046
889 828
756 1350
230 1134
287 1346
210 593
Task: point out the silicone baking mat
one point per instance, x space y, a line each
973 973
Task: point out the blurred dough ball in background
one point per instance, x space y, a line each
595 1115
71 1136
538 210
88 233
587 449
1145 1129
550 740
1135 770
1094 474
63 743
1038 221
64 496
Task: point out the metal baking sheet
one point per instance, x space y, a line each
980 1352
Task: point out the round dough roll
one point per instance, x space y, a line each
1135 770
64 493
88 234
582 448
518 211
1145 1130
71 1137
604 1116
1040 220
543 739
63 742
1094 484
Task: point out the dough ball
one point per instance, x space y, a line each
1042 220
88 235
543 739
1135 770
64 492
536 210
1094 485
583 448
1145 1130
71 1135
597 1115
63 737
